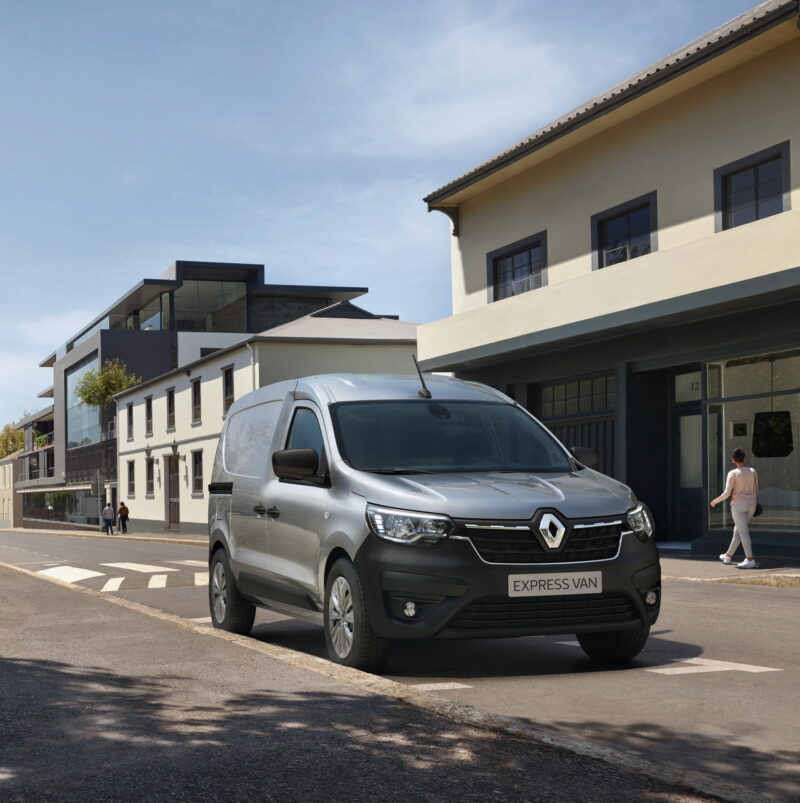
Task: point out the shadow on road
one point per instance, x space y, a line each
82 733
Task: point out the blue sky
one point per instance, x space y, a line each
301 135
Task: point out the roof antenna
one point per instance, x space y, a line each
424 392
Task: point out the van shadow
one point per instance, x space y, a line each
482 658
74 732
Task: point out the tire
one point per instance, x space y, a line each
349 636
229 609
616 646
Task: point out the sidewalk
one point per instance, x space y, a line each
104 701
780 572
164 536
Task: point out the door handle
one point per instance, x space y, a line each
273 512
260 509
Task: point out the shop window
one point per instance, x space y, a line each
772 434
752 188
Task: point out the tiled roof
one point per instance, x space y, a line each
754 20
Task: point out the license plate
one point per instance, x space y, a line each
551 585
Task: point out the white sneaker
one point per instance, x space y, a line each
726 559
746 564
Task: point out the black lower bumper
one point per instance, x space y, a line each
446 591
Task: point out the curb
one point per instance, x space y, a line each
458 712
120 537
778 580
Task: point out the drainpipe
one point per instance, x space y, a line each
252 365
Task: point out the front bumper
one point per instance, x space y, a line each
456 595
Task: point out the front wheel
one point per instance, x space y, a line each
229 609
349 636
616 646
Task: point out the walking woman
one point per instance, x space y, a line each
742 487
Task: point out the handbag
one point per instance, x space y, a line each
758 511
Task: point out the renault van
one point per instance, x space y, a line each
383 509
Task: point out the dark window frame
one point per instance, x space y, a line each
228 398
649 199
149 481
131 479
129 409
197 400
169 396
148 415
197 479
781 150
526 243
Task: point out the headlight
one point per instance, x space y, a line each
641 522
408 527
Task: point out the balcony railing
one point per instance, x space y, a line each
43 441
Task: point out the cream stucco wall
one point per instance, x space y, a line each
672 148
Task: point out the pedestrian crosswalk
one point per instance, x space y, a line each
112 577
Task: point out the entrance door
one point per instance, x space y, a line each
173 496
687 497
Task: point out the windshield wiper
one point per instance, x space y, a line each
398 471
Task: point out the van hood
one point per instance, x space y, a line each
497 495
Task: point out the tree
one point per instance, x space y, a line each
96 388
11 440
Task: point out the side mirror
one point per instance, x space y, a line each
295 464
585 455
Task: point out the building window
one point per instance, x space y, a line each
148 487
131 478
130 421
196 406
581 397
197 472
83 420
211 306
170 408
227 389
517 268
624 232
752 188
148 416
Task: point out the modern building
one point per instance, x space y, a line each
194 309
168 427
10 501
631 274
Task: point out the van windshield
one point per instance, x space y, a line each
443 436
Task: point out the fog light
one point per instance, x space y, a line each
410 609
651 598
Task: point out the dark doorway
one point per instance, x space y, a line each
173 498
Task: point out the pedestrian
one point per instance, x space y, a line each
122 518
108 519
742 488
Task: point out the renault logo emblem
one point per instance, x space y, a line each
552 530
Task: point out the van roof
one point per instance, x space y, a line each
361 387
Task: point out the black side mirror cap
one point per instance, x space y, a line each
586 456
295 464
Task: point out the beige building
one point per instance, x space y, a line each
10 501
168 428
631 274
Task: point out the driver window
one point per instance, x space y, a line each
305 433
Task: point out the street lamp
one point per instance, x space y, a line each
148 453
175 453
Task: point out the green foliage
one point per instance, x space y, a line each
96 388
11 440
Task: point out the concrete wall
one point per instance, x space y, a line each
671 148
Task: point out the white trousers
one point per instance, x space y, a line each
741 529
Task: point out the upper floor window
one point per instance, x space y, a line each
170 408
129 410
624 232
197 472
148 476
196 406
752 188
517 268
148 415
227 389
131 478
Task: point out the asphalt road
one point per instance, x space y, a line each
715 690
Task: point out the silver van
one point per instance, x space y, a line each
383 509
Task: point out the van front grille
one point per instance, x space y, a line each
507 613
582 543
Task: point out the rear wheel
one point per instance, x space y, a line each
616 646
229 609
349 636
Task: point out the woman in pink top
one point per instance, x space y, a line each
742 487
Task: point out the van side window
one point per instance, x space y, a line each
248 439
305 432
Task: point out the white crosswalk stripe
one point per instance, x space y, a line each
113 584
439 686
140 567
201 578
70 574
158 581
693 666
199 563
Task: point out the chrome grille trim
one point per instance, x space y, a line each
498 527
596 524
541 564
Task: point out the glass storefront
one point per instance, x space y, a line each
754 403
83 420
74 507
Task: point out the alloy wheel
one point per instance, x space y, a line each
340 617
219 591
